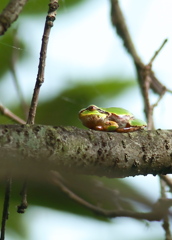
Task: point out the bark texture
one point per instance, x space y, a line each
10 14
26 149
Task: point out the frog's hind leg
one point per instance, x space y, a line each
98 128
128 129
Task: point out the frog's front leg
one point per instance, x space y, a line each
109 126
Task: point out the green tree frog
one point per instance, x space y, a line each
110 119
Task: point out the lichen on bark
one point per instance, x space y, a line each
36 148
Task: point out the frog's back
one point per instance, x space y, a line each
118 111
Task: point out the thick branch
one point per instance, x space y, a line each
32 149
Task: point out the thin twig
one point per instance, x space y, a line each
21 208
145 90
167 180
147 79
156 214
157 52
6 112
168 90
159 99
40 76
5 207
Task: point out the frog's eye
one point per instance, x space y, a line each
92 108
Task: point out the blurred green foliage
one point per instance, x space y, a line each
10 55
36 7
63 109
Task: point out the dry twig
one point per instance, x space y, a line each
5 207
6 112
157 52
146 87
167 180
21 208
53 6
158 211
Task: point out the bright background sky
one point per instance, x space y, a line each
99 53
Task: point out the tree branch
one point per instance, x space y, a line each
5 207
119 23
6 112
10 14
53 6
167 180
21 208
159 209
31 150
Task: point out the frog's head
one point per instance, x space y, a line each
90 110
92 116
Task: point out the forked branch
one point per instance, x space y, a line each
159 209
